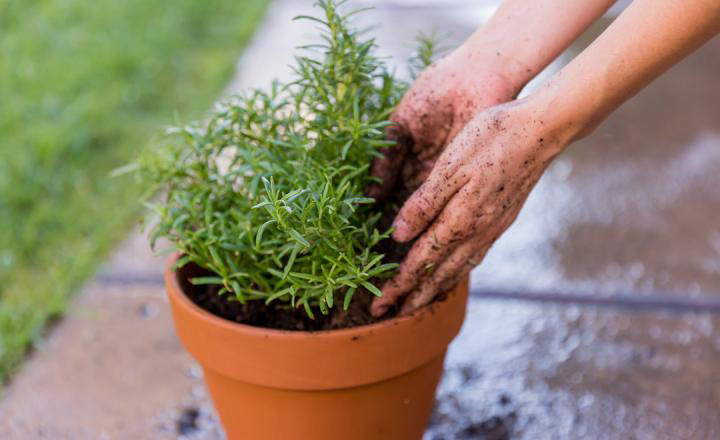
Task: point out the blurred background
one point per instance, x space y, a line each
594 316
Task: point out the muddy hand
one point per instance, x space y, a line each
481 180
440 102
473 194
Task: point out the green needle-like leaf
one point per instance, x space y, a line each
374 290
268 192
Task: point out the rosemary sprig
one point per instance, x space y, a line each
269 192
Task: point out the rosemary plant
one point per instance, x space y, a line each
425 53
268 194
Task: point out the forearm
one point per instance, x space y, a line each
646 40
525 36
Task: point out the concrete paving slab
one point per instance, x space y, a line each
527 371
111 369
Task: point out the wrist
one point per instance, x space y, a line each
568 114
511 57
483 52
550 126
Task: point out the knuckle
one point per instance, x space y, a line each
429 244
417 208
422 204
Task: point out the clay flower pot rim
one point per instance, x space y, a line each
171 278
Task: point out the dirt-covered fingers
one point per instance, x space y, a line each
446 179
426 253
463 258
429 251
449 230
392 290
446 276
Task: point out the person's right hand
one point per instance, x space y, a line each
473 194
437 106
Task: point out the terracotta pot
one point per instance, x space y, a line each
371 382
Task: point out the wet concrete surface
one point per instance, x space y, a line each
112 368
631 209
569 372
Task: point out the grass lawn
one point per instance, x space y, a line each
84 85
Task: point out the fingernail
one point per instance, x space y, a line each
401 228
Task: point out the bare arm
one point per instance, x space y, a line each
490 68
647 39
483 177
530 34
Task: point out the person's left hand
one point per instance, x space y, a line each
443 98
474 192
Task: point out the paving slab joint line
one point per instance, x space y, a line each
635 300
662 301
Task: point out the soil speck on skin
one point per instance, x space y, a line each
187 422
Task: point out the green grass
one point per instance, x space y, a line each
84 85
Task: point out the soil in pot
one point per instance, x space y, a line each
282 316
258 314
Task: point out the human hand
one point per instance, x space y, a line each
472 195
439 103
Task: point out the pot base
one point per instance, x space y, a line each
395 409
